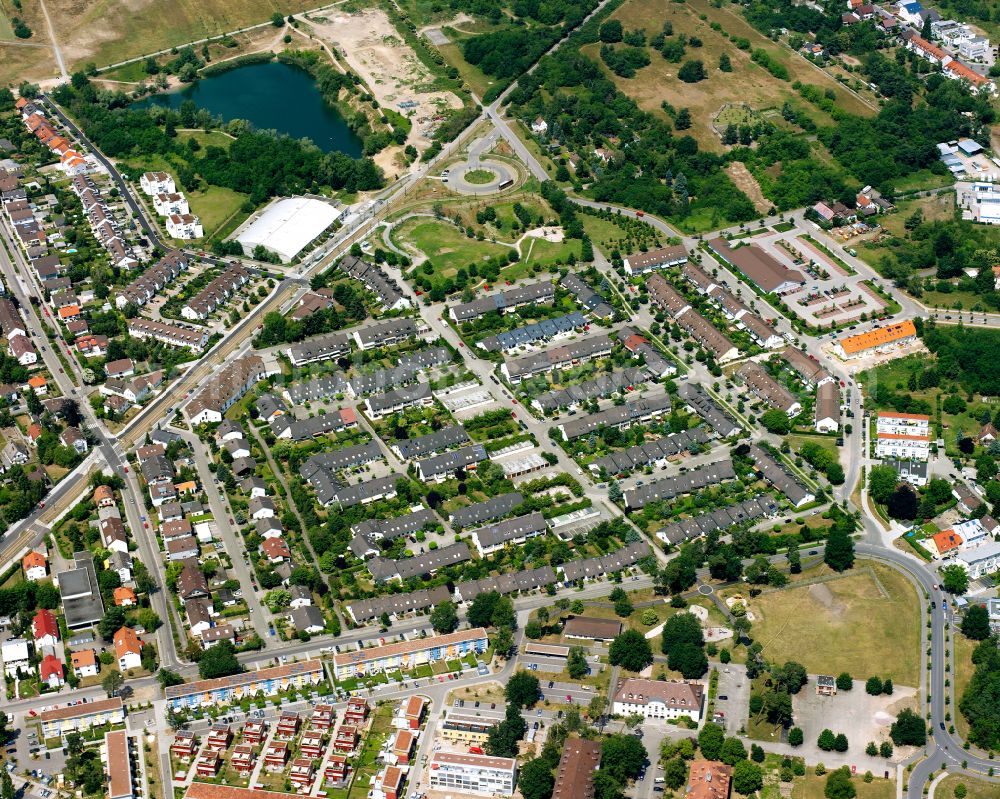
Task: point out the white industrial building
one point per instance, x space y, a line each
287 226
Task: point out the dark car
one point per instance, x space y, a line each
941 725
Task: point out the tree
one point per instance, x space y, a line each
480 612
689 660
610 32
873 686
839 552
535 780
955 579
631 651
503 641
444 618
840 743
522 689
675 772
166 678
826 740
976 623
908 729
576 662
756 753
624 756
277 20
961 791
792 676
710 740
839 785
683 119
692 71
725 65
112 683
681 628
795 737
606 786
733 751
747 777
844 681
903 503
872 749
776 421
882 481
6 786
503 737
219 661
885 750
112 621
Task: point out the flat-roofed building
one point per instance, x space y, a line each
656 699
466 728
470 773
408 654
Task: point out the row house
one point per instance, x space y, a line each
226 389
153 280
171 335
216 293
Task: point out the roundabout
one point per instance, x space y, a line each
482 176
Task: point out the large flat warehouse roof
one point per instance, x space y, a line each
287 226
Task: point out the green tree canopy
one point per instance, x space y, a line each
631 651
522 689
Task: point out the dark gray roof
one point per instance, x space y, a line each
581 350
319 348
356 494
778 475
449 462
586 296
526 580
307 617
366 610
641 455
383 569
606 564
484 511
81 594
390 529
431 443
604 385
543 291
617 416
671 487
719 519
510 529
405 371
696 397
534 333
389 330
399 398
322 387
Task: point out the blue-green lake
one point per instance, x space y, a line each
272 96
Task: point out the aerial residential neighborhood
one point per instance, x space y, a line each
585 400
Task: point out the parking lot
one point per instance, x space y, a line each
735 687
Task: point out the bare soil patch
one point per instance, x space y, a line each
747 183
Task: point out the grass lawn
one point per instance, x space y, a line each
212 138
963 674
921 180
478 81
811 787
447 247
844 624
975 789
6 29
480 177
215 206
608 236
755 87
539 252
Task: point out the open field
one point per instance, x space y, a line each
109 31
755 86
975 789
6 31
215 205
964 670
811 787
873 608
444 245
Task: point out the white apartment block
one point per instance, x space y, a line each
184 226
469 773
167 204
913 424
981 561
903 446
153 183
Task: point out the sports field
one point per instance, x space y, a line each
865 622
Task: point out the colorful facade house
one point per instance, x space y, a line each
407 655
224 690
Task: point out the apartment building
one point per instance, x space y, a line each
226 389
470 773
656 699
409 654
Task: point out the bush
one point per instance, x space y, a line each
692 71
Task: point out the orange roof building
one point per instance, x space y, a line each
709 779
35 566
84 662
69 312
124 596
128 648
103 496
37 381
944 542
877 339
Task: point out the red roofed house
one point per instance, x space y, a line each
104 497
275 550
219 738
69 312
244 759
288 725
45 629
301 773
34 432
357 710
311 744
336 769
184 746
207 765
254 732
85 663
39 385
276 756
411 712
322 716
128 649
125 597
35 566
51 669
391 784
944 543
